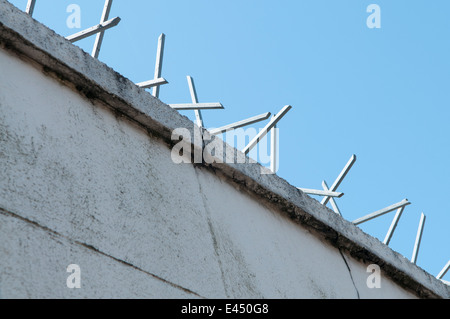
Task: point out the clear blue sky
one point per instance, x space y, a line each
382 94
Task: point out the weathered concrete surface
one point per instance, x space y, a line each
85 156
75 168
34 262
264 255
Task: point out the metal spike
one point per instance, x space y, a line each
381 212
152 83
266 129
99 38
320 192
198 114
159 62
393 226
195 105
443 271
239 124
274 149
30 7
340 178
332 201
418 238
93 30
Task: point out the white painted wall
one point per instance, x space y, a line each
79 185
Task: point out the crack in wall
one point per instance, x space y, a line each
213 235
96 250
350 273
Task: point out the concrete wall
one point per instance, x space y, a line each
88 179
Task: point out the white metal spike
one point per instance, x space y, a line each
443 271
381 212
274 149
418 239
197 106
320 192
393 226
332 201
340 178
30 7
159 62
99 38
266 129
198 114
93 30
152 83
239 124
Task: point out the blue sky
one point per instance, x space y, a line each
381 94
